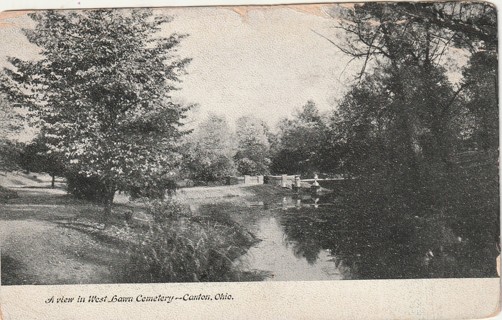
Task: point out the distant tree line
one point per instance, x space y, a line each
214 151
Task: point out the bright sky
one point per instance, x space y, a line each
264 61
260 61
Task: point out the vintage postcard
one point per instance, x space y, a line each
281 161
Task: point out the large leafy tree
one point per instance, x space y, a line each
406 48
481 95
209 151
10 123
253 146
357 127
101 91
301 141
10 119
409 44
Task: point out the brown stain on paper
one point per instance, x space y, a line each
315 9
5 15
243 11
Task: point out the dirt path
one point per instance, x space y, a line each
37 249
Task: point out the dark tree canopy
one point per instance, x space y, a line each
481 96
301 142
404 109
36 156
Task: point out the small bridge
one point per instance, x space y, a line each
295 181
326 183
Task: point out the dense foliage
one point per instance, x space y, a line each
253 155
37 157
10 123
300 142
209 150
404 113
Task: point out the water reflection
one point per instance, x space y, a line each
300 201
329 238
389 246
280 257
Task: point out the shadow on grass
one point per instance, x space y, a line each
7 194
97 234
12 272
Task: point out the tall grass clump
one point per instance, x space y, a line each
181 246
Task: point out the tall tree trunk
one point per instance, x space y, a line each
404 162
404 135
443 148
53 180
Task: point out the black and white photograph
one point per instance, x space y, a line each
315 142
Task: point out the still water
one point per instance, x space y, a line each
276 255
320 239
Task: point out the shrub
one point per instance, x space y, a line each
156 189
82 187
180 246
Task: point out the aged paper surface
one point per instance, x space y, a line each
254 69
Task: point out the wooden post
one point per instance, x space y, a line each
315 186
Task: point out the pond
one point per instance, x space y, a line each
321 238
